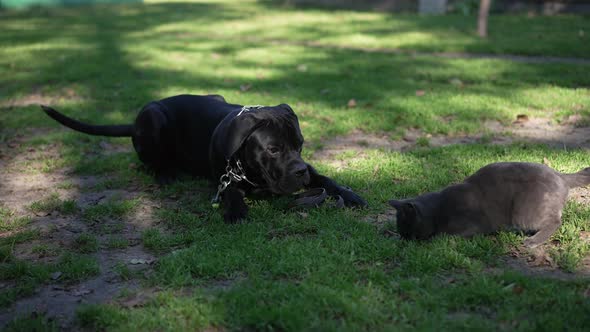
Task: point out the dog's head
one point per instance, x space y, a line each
268 141
411 224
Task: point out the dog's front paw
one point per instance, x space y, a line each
235 215
351 199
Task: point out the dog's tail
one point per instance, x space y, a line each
580 179
111 130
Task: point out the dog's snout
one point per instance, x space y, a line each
300 170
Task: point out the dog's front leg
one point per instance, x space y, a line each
350 198
235 209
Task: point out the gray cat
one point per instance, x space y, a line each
525 197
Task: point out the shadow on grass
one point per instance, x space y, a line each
91 50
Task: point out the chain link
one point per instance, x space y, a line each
231 175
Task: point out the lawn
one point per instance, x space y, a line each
86 233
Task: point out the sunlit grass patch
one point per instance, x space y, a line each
322 269
166 311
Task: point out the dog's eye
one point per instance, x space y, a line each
273 150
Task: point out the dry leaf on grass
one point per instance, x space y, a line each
521 118
302 68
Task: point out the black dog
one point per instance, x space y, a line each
247 148
524 197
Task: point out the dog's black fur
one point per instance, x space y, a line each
200 134
525 197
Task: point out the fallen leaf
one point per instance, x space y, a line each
450 280
41 309
82 292
245 87
351 103
104 145
573 119
456 82
215 56
420 93
302 68
521 118
56 275
136 261
517 289
383 218
302 214
376 169
134 301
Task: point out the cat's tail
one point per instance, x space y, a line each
580 179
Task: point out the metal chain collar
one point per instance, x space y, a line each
232 174
247 108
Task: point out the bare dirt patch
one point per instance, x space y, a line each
121 267
535 130
539 263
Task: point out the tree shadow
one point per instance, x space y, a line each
106 56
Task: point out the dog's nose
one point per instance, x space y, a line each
300 170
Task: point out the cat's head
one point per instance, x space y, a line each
411 223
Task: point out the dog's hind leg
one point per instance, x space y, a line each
151 142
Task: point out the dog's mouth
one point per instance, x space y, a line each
286 186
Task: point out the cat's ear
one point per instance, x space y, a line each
404 209
409 209
396 204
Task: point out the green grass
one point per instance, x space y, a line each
33 323
117 242
28 276
326 270
114 208
85 243
54 203
9 221
166 312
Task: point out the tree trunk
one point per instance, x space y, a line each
482 20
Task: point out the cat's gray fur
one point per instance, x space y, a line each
525 197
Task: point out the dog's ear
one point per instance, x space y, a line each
294 121
240 128
244 124
287 107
